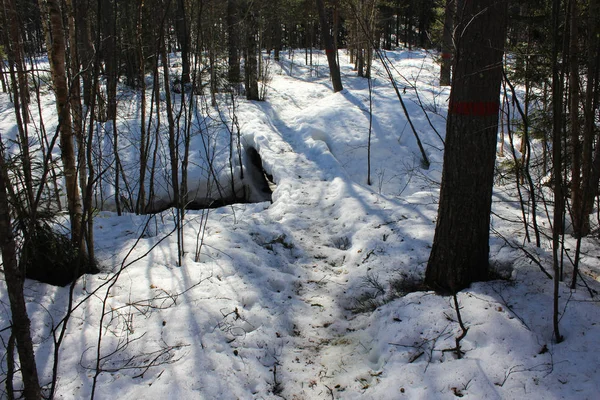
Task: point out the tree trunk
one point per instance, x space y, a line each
589 110
110 56
232 43
2 79
330 50
251 67
425 8
460 251
559 201
57 56
183 36
15 55
144 135
576 186
14 282
276 31
447 43
75 92
20 95
85 47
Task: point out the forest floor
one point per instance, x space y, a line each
316 295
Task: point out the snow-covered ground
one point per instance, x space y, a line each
309 297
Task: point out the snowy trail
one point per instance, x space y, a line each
313 189
267 310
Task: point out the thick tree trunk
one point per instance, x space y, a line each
330 49
460 251
14 282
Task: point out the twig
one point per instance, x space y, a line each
456 349
330 391
508 307
527 253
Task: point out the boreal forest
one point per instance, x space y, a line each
299 199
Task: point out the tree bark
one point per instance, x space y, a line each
559 200
144 135
460 251
183 36
57 56
589 110
15 56
330 50
110 56
14 282
85 47
576 184
20 94
447 43
232 43
251 67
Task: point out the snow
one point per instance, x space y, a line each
305 297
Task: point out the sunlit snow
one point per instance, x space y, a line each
281 302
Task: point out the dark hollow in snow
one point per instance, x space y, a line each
257 179
257 185
50 257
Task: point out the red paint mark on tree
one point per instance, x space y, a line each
329 51
476 108
446 56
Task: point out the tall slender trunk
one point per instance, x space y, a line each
173 153
589 111
559 205
576 187
110 56
21 325
57 56
183 36
232 42
144 137
85 47
447 43
15 53
20 96
251 66
75 93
